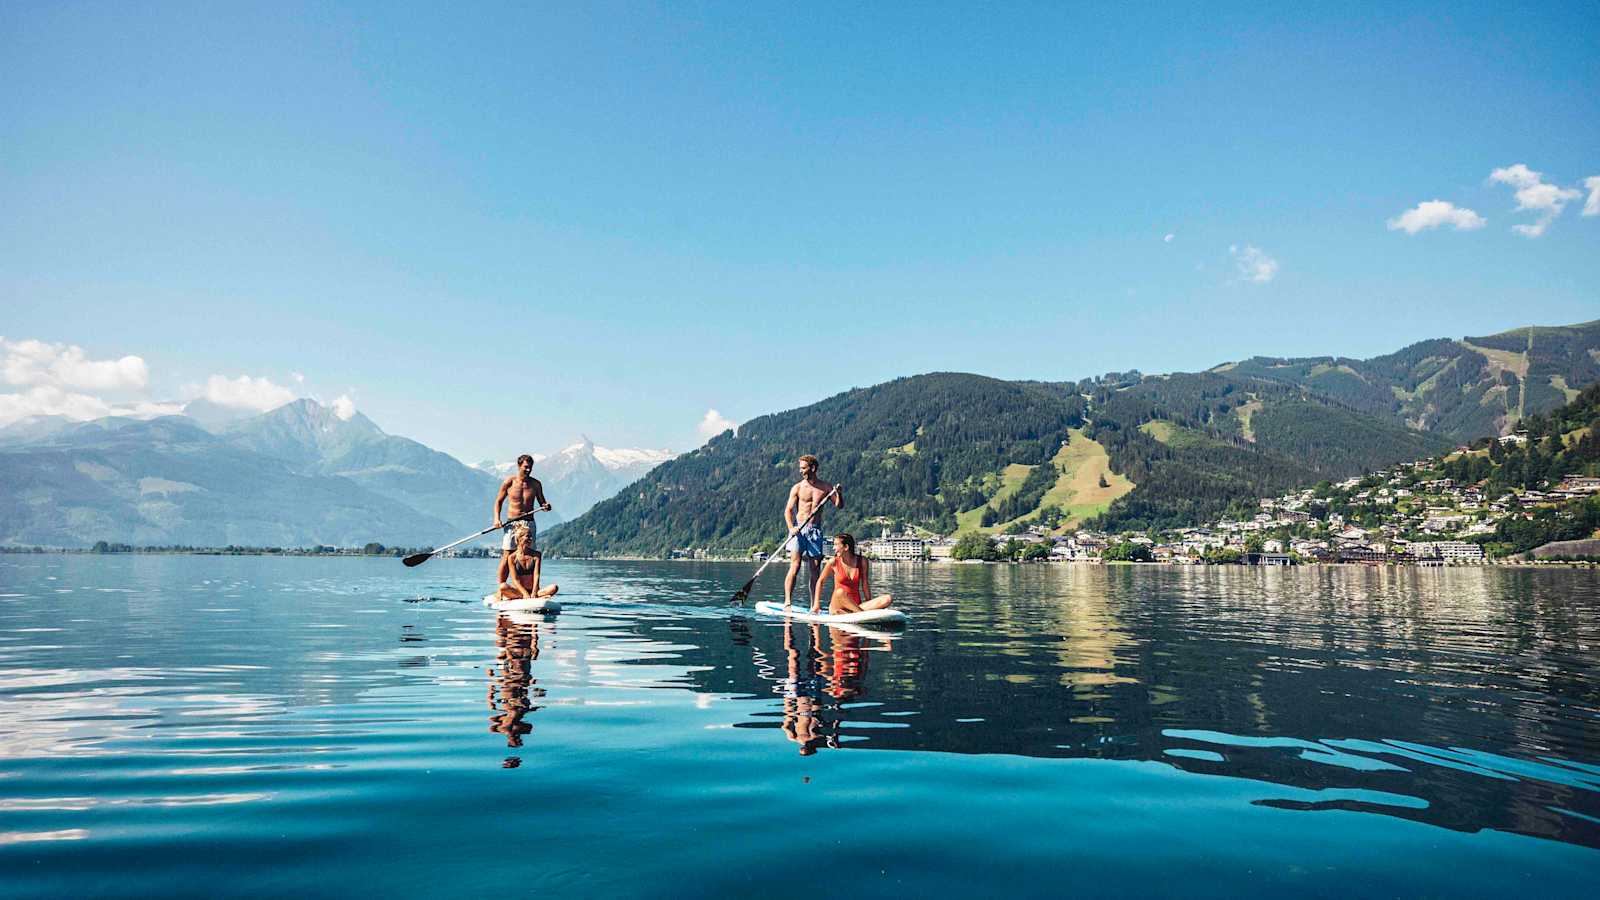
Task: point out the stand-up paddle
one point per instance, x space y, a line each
417 559
743 594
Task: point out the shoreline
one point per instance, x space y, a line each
356 553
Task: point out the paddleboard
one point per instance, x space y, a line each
528 604
882 618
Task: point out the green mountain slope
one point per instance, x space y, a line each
946 451
1460 389
943 450
917 450
1194 444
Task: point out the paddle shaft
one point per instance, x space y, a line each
423 557
796 530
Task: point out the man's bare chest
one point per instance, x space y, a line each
520 493
809 497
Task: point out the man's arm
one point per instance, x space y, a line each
500 498
538 494
789 507
838 496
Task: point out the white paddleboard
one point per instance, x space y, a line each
528 604
890 617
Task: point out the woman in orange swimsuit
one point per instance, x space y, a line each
851 580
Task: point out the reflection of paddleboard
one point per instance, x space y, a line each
882 618
533 604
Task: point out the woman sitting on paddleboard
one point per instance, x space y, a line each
522 568
851 581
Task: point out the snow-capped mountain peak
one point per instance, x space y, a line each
582 474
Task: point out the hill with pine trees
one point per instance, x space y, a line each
953 452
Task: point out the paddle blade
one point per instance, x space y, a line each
743 594
416 559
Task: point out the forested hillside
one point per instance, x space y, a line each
953 452
1231 439
1459 389
914 450
1562 443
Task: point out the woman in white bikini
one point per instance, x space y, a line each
522 569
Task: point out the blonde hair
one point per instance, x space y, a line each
519 534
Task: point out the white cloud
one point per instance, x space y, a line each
1253 264
1436 214
1534 195
713 424
35 363
1591 206
1168 238
58 380
147 409
344 407
49 400
244 392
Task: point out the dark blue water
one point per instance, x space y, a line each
187 726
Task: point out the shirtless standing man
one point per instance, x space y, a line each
804 499
525 494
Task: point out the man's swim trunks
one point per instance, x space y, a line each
808 542
508 543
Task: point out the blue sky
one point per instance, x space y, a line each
495 230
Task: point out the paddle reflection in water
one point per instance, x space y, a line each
513 692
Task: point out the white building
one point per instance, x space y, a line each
898 546
1444 523
1449 551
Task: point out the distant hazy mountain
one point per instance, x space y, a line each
214 416
298 475
583 474
169 481
33 428
318 440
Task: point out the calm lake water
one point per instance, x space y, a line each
241 725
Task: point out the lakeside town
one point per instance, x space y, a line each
1409 514
1432 512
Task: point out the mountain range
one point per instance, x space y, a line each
302 474
953 451
946 452
581 475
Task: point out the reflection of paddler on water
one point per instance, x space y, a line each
512 692
848 665
852 580
817 681
803 702
520 571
